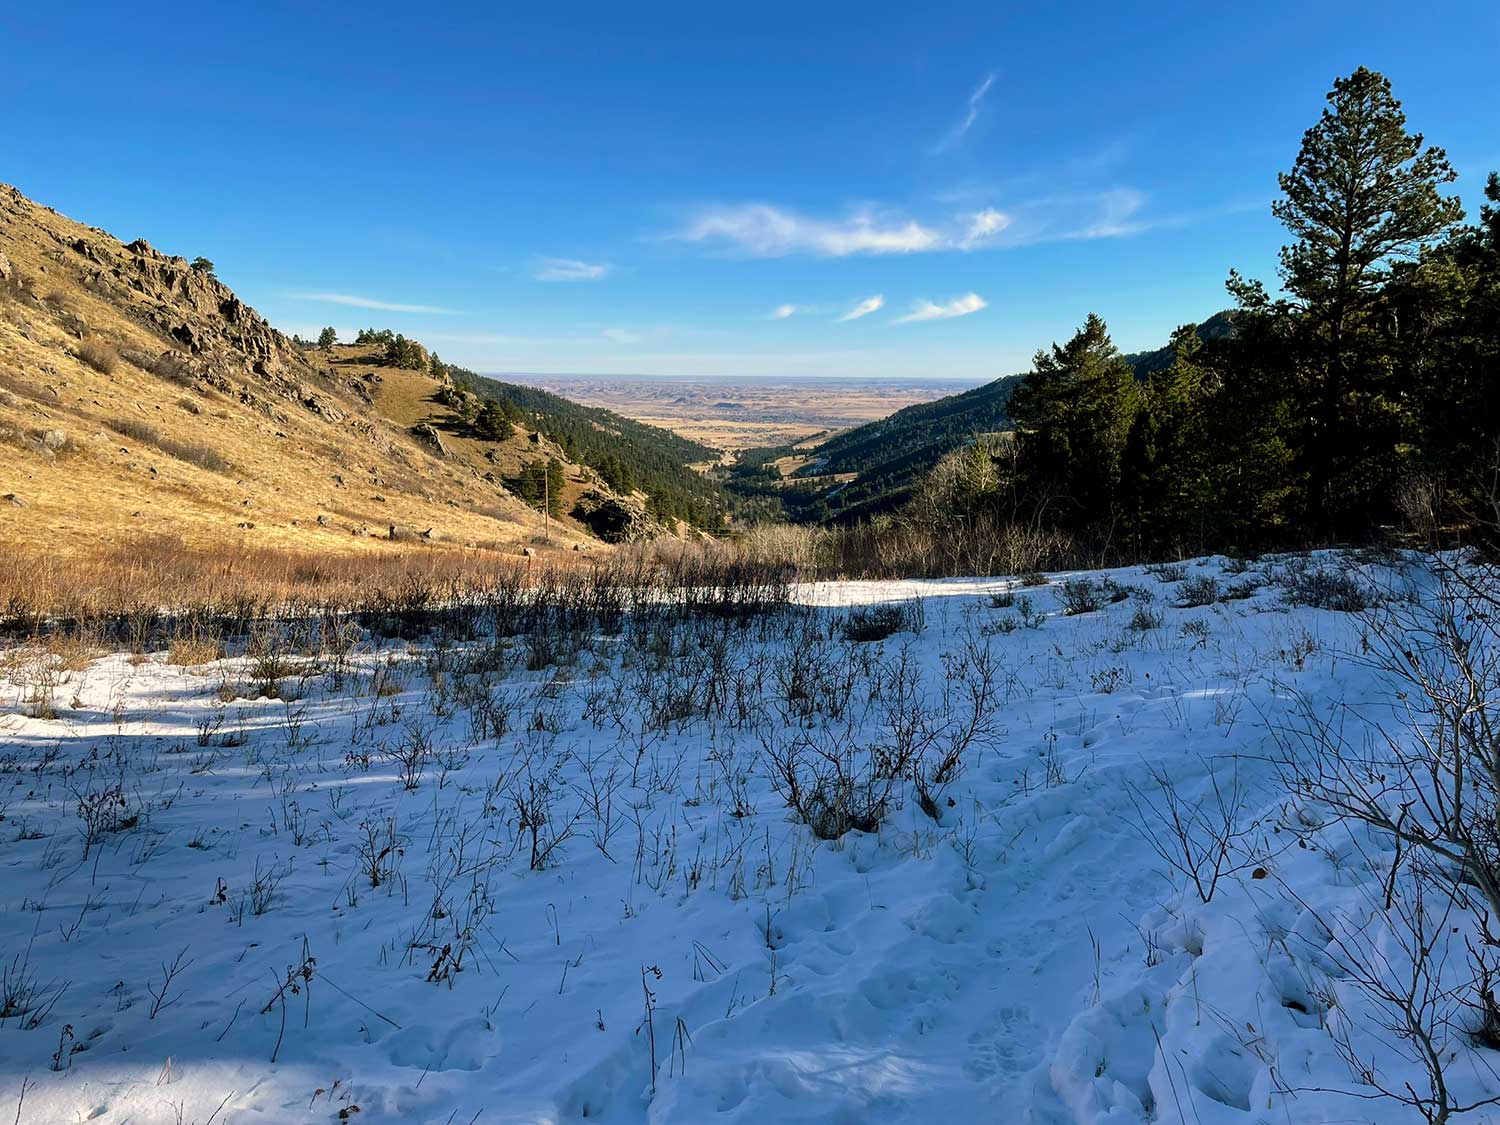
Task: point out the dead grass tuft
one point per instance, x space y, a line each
190 650
101 356
193 452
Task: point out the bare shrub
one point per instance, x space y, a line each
174 367
411 754
269 660
1202 841
99 355
135 430
1434 782
534 797
380 848
102 811
1329 589
1200 590
876 623
1080 595
24 996
1415 997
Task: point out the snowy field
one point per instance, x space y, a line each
759 871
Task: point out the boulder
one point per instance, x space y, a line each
613 519
400 533
15 501
54 439
7 271
428 437
324 409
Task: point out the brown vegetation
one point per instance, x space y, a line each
99 355
267 445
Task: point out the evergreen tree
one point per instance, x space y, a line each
491 423
327 338
1446 309
1362 193
554 490
529 483
1164 472
1072 415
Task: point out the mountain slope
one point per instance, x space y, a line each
654 460
140 397
888 456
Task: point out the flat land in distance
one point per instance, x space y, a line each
736 414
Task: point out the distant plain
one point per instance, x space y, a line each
735 414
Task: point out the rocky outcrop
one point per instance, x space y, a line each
613 519
428 437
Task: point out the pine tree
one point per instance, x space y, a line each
1363 192
1447 309
1072 415
327 338
491 423
1164 472
554 489
529 484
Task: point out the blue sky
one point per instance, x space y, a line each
890 189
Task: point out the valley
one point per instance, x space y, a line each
735 414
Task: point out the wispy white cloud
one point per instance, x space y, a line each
864 308
1117 216
621 336
782 312
760 230
984 224
956 135
571 269
356 302
927 310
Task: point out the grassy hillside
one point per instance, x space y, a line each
629 454
140 399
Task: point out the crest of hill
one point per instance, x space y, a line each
140 398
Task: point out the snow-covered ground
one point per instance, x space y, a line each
273 925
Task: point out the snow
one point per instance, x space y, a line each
1028 956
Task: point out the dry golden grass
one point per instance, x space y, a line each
190 650
241 466
99 355
166 573
407 398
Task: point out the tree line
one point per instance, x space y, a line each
1361 393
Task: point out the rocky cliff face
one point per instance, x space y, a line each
211 335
